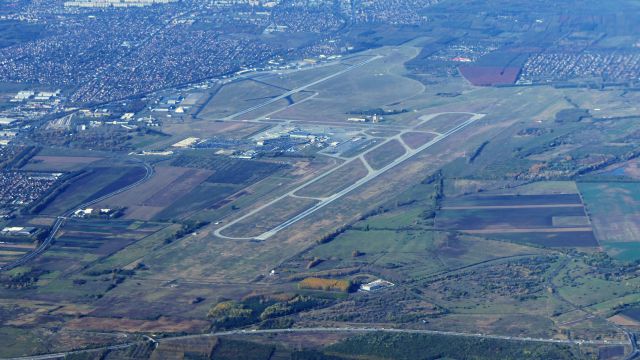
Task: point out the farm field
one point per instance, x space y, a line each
190 183
557 220
614 209
167 185
504 218
83 241
13 250
94 183
228 170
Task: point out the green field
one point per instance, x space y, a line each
614 209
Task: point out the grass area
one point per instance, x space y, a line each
238 95
137 250
204 195
340 179
18 342
385 154
269 217
357 89
228 170
614 209
415 346
594 285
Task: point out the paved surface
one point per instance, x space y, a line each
372 174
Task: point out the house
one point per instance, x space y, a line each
376 285
18 231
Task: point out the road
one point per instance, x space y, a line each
60 220
372 174
355 330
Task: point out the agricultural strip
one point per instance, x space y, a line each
503 218
556 237
481 201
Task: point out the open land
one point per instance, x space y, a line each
502 219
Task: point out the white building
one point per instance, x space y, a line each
376 285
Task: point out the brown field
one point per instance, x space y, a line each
131 325
314 283
166 186
269 217
623 320
336 181
416 139
385 154
41 221
59 163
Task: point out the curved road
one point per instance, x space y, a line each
60 220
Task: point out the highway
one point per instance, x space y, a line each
372 174
355 330
60 220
